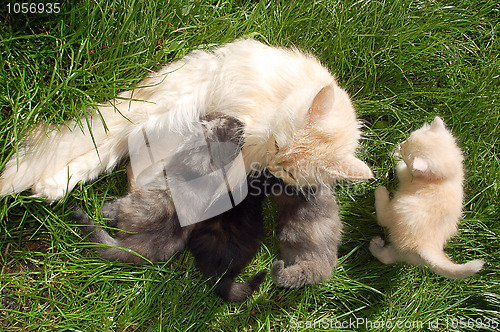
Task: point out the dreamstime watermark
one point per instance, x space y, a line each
399 324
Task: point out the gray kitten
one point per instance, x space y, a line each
309 233
222 246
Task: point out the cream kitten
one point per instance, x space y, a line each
424 212
298 122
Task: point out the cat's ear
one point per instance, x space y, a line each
437 124
351 168
420 165
321 105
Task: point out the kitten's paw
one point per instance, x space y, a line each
300 273
277 269
381 193
280 275
384 253
377 243
81 217
110 211
376 246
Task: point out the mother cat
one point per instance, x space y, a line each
298 122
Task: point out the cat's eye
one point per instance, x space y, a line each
290 175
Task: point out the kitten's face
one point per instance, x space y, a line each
323 150
431 152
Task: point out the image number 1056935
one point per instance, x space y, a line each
33 8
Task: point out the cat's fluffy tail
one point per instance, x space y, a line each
52 160
438 262
231 291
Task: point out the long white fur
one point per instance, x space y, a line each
269 89
424 213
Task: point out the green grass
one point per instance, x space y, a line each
403 62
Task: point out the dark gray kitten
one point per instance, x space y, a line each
309 233
222 246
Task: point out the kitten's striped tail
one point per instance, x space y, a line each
440 263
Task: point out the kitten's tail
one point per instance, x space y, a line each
438 262
232 291
93 233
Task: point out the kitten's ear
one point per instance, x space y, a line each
437 124
322 104
351 168
420 164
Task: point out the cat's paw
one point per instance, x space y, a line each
110 211
54 187
377 242
376 245
82 219
281 275
386 254
301 273
277 268
381 193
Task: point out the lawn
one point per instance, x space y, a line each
403 63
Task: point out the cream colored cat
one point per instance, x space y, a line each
298 122
424 213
